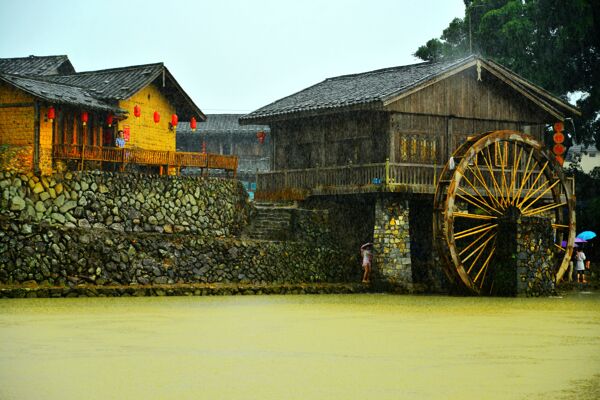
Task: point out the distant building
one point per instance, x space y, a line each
222 134
589 157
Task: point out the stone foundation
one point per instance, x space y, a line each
391 239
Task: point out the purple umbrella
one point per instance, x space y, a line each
564 244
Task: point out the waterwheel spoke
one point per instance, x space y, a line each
485 264
526 175
545 208
473 231
479 176
504 184
529 193
513 181
540 196
474 201
479 248
479 254
474 242
497 190
472 216
560 247
481 198
559 226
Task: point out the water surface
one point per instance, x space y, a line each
300 347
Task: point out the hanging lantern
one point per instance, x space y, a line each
261 137
558 137
204 147
174 120
156 117
109 120
558 149
193 124
137 111
84 118
51 113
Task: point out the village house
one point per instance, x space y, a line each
53 117
371 147
222 134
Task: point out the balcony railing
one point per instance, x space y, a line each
136 156
298 184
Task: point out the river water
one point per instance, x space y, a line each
301 347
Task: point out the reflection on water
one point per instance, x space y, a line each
300 347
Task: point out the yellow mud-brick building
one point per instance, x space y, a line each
52 117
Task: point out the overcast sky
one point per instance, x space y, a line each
228 55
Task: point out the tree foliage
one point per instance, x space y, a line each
553 43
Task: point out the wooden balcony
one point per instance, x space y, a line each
365 178
125 156
300 183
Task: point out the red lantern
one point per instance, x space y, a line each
558 137
559 126
193 124
84 118
156 117
174 120
137 111
558 149
51 113
560 160
109 120
261 137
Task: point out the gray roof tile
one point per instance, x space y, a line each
114 83
58 93
34 65
220 124
356 89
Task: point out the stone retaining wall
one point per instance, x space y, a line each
126 202
51 255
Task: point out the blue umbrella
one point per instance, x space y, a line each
587 235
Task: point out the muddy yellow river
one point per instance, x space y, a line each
301 347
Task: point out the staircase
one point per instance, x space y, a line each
271 222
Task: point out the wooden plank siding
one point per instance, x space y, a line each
343 152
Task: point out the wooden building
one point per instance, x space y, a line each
336 136
222 134
51 115
371 148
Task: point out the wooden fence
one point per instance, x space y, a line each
125 156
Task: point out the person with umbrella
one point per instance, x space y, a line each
579 265
366 253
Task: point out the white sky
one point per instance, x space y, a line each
228 55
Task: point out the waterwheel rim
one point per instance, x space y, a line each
495 174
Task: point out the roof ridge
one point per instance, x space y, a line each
110 70
400 67
41 78
34 56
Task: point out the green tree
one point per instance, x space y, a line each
553 43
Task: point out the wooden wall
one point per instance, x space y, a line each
462 95
331 140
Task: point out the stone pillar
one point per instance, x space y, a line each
535 257
524 259
391 239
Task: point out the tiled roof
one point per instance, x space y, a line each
34 65
58 93
114 83
222 123
372 87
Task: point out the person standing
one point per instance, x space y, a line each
366 252
579 265
120 140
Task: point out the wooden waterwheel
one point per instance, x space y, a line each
490 176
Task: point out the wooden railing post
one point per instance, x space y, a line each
387 172
82 156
